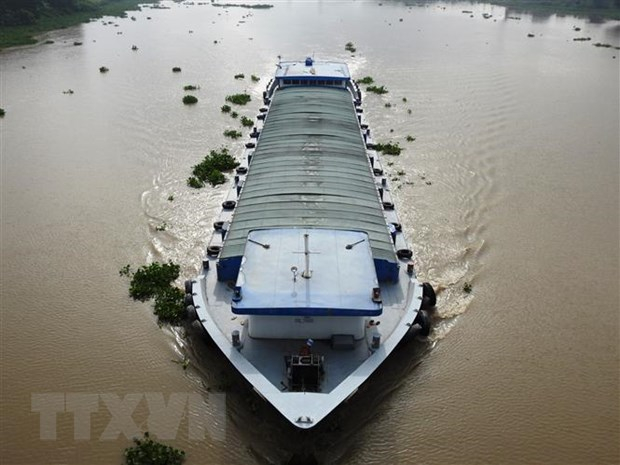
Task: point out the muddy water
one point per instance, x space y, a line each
511 185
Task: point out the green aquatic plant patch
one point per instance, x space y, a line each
389 148
239 99
154 281
247 122
232 133
150 280
195 183
377 90
146 451
210 169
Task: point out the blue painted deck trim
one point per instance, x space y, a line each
306 311
386 271
228 268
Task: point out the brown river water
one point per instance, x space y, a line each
511 185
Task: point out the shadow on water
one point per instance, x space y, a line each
271 439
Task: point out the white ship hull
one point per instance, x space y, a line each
310 285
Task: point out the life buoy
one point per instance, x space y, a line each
242 170
229 205
250 145
388 205
404 254
213 250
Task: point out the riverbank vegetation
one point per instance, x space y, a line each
256 6
22 20
594 9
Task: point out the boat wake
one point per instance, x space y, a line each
448 251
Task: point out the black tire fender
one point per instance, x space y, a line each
429 298
404 254
213 250
191 314
423 320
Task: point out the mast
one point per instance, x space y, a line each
307 273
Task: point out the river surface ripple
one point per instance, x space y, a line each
511 185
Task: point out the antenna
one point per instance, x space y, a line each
307 273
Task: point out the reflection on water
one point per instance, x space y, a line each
511 185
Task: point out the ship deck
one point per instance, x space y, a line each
312 173
310 170
401 301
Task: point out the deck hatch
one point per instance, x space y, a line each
310 169
307 272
